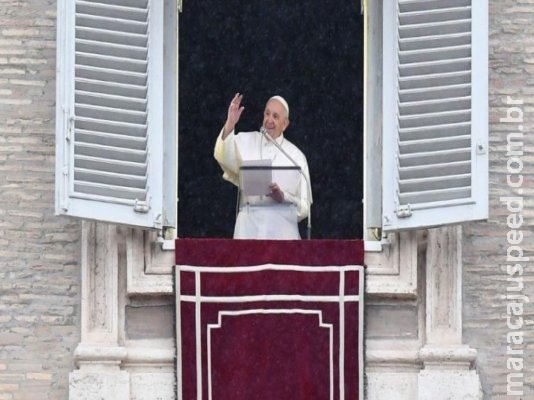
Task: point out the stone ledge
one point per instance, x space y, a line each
452 355
99 353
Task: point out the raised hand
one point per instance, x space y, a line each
234 113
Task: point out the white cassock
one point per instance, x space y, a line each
261 217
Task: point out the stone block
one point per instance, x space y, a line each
152 386
99 385
435 384
386 385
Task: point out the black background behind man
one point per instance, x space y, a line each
310 52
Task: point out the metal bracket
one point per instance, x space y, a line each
141 206
70 128
404 211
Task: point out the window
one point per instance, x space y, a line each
426 130
309 52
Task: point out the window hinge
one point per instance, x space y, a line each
404 211
141 206
70 128
180 5
481 148
157 222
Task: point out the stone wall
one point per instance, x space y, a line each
39 252
511 63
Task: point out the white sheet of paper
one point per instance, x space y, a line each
255 182
287 179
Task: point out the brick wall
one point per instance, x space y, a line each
39 252
511 63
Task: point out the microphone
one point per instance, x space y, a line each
264 132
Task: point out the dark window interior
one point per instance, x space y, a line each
308 51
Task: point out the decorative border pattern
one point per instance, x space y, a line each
319 314
185 296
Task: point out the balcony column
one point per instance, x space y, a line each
99 354
448 365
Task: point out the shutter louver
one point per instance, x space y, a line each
112 168
110 124
429 107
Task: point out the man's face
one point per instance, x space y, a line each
275 119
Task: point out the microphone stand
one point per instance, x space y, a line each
264 132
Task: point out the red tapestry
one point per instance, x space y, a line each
267 320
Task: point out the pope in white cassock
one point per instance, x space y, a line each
276 214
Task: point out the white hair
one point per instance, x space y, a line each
283 102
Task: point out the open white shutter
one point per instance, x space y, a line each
109 128
435 112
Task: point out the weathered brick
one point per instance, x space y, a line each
24 366
12 71
11 52
27 82
5 377
39 252
25 318
20 32
8 387
40 376
13 102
